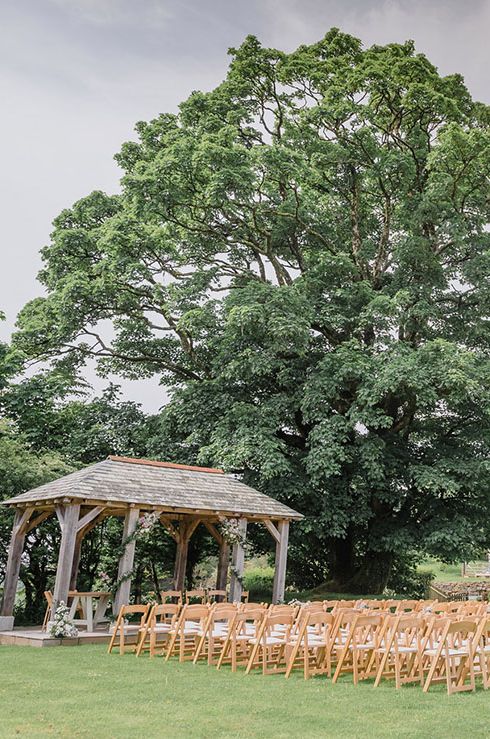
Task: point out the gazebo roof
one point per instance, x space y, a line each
164 485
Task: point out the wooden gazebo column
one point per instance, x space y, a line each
223 556
280 534
126 561
19 530
237 564
187 526
68 516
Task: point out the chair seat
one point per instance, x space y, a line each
366 645
451 652
269 641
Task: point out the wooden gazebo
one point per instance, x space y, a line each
183 496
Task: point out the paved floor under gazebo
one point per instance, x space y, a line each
183 496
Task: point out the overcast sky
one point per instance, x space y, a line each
77 74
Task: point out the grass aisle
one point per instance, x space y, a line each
83 692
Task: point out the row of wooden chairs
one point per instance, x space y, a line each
433 642
199 595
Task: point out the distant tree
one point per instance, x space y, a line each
302 256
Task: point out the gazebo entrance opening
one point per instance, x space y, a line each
183 497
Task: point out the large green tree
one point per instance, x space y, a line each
302 256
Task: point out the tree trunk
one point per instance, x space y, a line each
372 575
350 574
369 577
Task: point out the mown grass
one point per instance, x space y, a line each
83 692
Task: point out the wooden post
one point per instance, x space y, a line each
223 563
16 547
281 560
186 529
76 563
126 561
85 524
237 564
68 516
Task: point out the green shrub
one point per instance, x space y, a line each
258 580
409 582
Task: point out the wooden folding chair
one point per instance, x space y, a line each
309 646
473 609
238 643
122 630
399 652
185 635
361 640
407 606
269 646
155 632
171 596
216 596
453 659
216 630
482 650
199 594
47 614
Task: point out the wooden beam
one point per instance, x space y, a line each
69 516
13 563
170 528
214 532
24 520
89 517
281 561
272 530
60 515
35 522
126 561
238 561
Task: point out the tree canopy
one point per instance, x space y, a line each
302 256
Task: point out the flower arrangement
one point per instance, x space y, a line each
62 627
231 531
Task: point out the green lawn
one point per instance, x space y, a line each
82 691
443 572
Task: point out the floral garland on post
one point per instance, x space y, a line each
233 534
142 530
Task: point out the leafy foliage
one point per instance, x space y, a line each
302 256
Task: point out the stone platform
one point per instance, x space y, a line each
34 637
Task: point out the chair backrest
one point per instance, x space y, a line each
244 607
244 619
407 605
197 594
226 613
347 603
171 595
137 609
213 595
462 629
194 612
164 612
217 607
329 605
49 597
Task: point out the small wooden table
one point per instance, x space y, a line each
86 601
